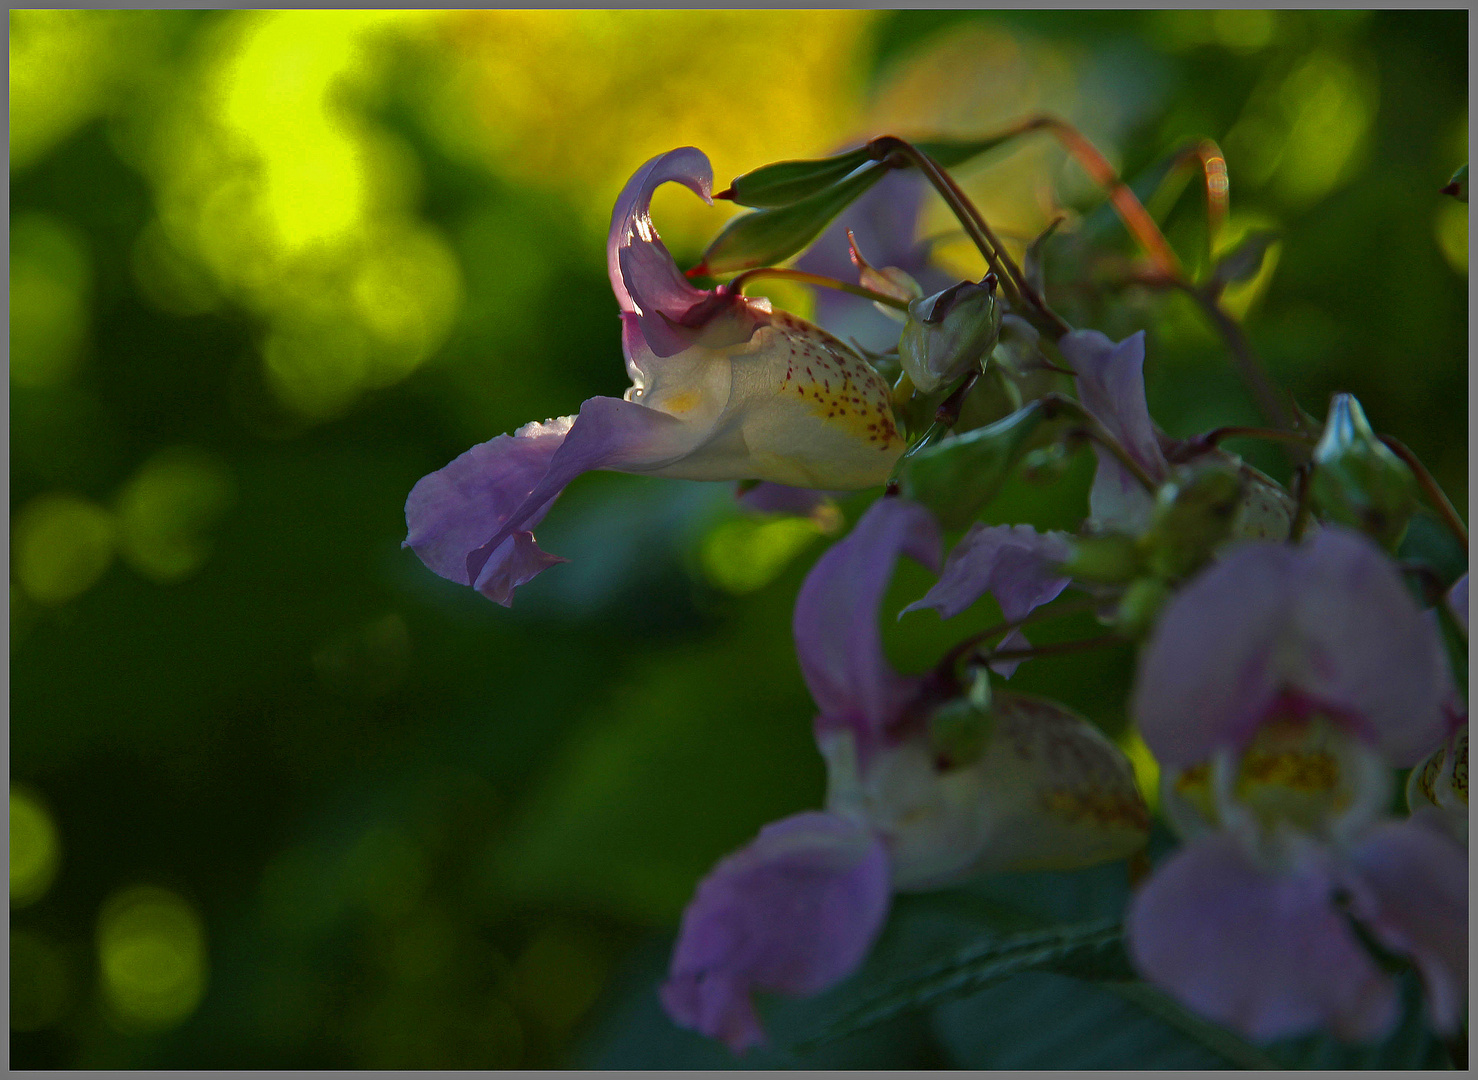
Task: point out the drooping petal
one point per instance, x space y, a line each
1266 954
455 509
1048 791
1210 669
1364 645
1110 384
1416 904
504 487
793 912
649 280
836 627
1014 563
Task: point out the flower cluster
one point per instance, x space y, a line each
1287 668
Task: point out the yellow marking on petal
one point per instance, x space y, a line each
680 403
1098 808
835 384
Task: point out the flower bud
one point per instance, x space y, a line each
1357 480
1110 559
949 333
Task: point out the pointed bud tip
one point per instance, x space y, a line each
701 270
727 193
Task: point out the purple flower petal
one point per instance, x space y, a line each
454 510
470 522
1210 670
1014 563
1365 646
1457 601
793 912
655 283
836 618
1110 384
1266 954
768 498
1327 625
1416 904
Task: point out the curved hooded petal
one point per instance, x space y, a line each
1415 902
1267 955
836 628
644 276
793 912
1110 385
1327 625
1014 563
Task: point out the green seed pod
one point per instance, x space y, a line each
1357 480
949 333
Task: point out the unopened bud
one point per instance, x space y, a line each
1357 480
949 333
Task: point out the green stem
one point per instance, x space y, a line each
1433 490
1052 649
1054 403
738 282
1039 615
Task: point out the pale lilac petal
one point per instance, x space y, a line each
770 498
1364 646
655 279
454 510
838 639
1267 955
792 913
1210 670
1457 601
1416 893
1110 384
499 488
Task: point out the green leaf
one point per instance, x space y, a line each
1243 261
957 477
786 182
1093 950
767 237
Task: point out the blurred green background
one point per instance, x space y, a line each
283 798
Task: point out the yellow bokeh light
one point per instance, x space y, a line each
61 545
35 849
1146 768
152 959
1245 29
1331 104
165 509
1240 297
50 279
1451 227
744 554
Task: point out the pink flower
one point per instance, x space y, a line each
722 388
